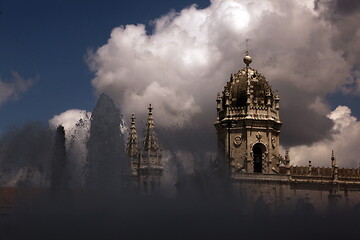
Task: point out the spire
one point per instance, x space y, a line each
277 99
132 149
335 171
268 98
287 155
227 103
287 162
150 164
218 102
150 141
218 106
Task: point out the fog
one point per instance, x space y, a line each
193 201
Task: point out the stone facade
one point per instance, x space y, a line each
248 130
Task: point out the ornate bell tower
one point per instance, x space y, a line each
248 124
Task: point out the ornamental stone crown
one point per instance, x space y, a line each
248 124
248 93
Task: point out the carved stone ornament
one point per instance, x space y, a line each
258 136
237 140
273 142
268 92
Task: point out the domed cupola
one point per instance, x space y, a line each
248 123
247 89
248 82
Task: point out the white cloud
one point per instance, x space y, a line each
69 118
11 90
77 127
166 101
345 138
189 56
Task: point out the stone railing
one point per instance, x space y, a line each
323 172
256 112
237 111
349 172
315 171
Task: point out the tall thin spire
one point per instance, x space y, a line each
333 160
150 141
150 164
335 171
132 149
287 162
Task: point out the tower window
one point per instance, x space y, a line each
258 151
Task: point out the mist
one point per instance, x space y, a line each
71 178
193 201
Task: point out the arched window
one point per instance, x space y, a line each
258 151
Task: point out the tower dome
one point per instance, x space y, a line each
248 82
248 124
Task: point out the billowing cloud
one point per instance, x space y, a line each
11 90
344 16
69 118
77 126
189 55
345 138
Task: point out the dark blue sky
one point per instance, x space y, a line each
50 39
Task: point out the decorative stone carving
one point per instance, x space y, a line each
273 142
258 136
237 140
237 166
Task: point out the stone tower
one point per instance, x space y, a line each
248 124
145 162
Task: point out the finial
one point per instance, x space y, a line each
287 155
287 162
218 99
133 118
150 108
247 58
277 95
334 167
